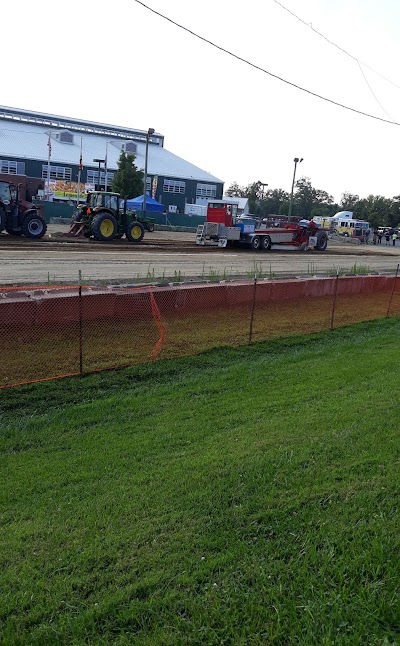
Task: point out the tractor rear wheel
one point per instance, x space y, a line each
104 227
33 226
322 241
255 243
266 243
2 219
134 232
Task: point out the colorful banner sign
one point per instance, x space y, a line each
59 188
154 187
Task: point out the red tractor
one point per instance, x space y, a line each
19 217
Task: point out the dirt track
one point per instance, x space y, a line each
166 255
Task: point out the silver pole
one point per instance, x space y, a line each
145 174
148 133
105 168
79 175
48 166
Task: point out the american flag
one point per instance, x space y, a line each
80 158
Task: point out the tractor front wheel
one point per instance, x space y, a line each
33 226
104 227
134 232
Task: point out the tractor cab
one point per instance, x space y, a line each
222 212
19 217
5 193
101 200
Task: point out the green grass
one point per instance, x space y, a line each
244 496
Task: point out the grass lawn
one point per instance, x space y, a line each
243 496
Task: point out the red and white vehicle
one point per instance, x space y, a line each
223 226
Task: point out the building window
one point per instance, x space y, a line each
65 137
130 147
57 172
93 177
173 186
8 167
111 202
206 190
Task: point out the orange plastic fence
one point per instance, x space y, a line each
50 332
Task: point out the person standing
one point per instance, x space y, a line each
380 236
375 236
387 237
394 238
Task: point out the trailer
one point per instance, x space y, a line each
224 227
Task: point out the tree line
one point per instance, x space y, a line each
311 202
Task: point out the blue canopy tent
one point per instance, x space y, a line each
136 204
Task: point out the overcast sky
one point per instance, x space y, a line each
130 67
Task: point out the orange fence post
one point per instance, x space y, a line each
392 292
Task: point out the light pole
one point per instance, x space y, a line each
296 161
263 186
105 169
148 134
99 162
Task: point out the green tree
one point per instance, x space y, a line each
348 201
324 205
394 214
254 193
235 190
128 180
376 209
271 203
304 198
322 197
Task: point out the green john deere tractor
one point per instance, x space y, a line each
104 217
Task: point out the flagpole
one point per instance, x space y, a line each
48 167
105 168
79 175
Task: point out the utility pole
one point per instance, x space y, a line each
296 161
148 134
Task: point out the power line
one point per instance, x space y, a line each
359 63
371 90
261 69
310 26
